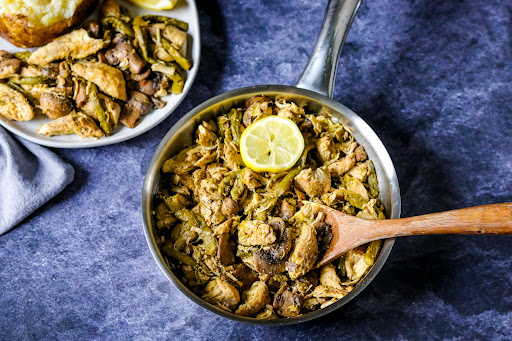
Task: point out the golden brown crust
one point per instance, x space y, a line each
16 28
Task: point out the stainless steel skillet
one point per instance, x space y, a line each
314 90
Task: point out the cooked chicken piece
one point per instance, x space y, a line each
333 197
217 171
74 123
177 37
76 45
55 104
124 56
357 186
267 313
304 284
36 90
229 207
359 172
224 227
184 162
287 209
9 65
232 157
219 292
348 147
135 107
360 154
108 79
286 303
326 148
212 210
108 104
314 183
322 291
304 254
339 168
290 110
251 179
257 107
329 277
255 232
254 299
355 265
13 105
205 137
164 217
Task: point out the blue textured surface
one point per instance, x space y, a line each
434 80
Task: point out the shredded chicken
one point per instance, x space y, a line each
255 230
221 292
314 183
254 299
339 168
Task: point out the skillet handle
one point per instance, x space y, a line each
320 72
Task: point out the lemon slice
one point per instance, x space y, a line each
272 144
155 5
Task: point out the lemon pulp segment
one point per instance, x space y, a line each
272 144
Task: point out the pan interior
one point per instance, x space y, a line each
182 134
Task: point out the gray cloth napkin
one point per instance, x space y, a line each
30 175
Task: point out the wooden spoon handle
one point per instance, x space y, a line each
487 219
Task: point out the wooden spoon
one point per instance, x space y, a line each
349 232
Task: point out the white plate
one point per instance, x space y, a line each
186 11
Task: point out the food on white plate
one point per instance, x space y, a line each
88 81
246 240
32 23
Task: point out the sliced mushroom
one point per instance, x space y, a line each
159 104
138 77
110 8
324 237
225 251
286 303
94 30
9 65
152 84
124 55
287 210
245 275
137 105
272 261
257 99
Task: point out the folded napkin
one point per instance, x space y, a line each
30 175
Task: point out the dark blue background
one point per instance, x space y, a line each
433 78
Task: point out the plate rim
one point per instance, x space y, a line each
113 139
